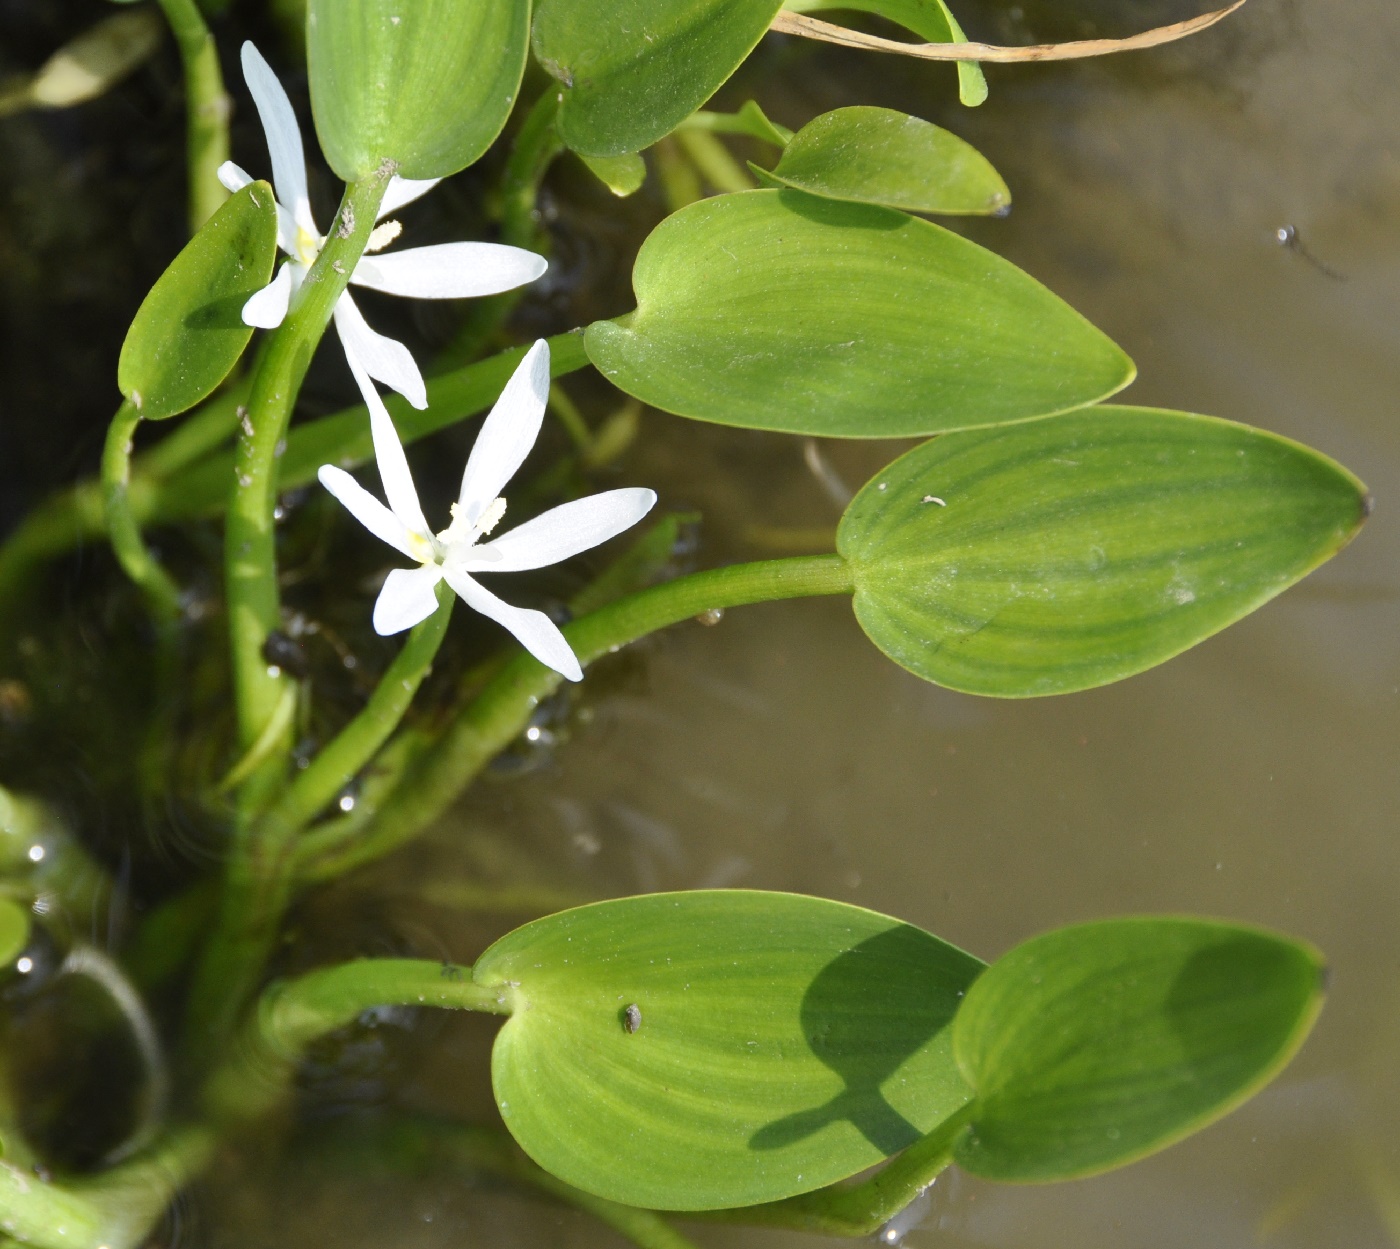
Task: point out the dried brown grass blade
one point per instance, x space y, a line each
810 28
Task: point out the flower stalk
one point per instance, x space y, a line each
131 551
207 109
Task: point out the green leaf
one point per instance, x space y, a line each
633 70
879 156
427 85
14 930
931 20
189 332
780 310
1068 553
781 1043
622 175
1096 1045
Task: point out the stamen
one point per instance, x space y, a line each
491 517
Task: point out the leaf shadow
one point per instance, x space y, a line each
864 1015
224 313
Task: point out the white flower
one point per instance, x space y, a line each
456 553
444 271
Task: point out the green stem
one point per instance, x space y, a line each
860 1209
502 710
45 1215
199 433
536 145
713 160
139 564
207 109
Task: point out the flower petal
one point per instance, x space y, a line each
507 434
388 454
409 596
535 631
562 531
404 191
279 123
368 510
450 270
268 308
385 359
233 177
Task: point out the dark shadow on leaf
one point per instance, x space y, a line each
840 213
865 1014
219 314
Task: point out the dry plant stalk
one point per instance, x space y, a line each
810 28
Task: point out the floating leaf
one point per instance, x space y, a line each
1093 1046
880 156
635 69
713 1049
622 175
189 332
929 19
14 930
780 310
1068 553
427 85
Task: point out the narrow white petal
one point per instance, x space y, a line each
450 270
507 434
234 178
388 454
267 309
385 359
279 123
562 531
408 597
535 631
404 191
368 510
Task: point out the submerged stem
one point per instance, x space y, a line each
207 109
139 564
487 725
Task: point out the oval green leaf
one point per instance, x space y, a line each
880 156
14 930
1068 553
1096 1045
189 332
713 1049
780 310
635 69
428 85
931 20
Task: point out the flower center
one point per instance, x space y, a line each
308 247
462 534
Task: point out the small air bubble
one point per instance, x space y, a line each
346 803
24 966
36 853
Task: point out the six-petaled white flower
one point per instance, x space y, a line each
443 271
459 551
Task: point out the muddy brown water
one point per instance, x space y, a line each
1253 778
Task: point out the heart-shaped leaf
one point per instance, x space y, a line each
780 310
1093 1046
703 1050
880 156
1067 553
189 332
931 20
635 69
426 85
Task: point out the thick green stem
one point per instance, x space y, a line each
502 710
140 565
536 145
206 107
712 159
860 1209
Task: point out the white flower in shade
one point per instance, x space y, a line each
460 551
444 271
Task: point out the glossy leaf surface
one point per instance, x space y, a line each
781 310
1067 553
931 20
880 156
189 332
781 1043
1095 1045
634 69
427 85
